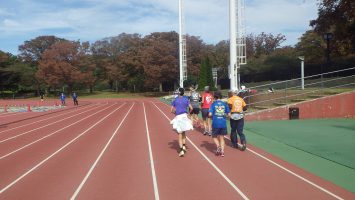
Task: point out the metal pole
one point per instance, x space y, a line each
302 71
180 45
233 45
302 74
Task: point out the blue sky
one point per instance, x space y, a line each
91 20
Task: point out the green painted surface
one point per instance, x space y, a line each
332 139
323 147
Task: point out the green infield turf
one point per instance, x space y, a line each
325 147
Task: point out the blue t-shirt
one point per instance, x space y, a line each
219 109
62 97
181 104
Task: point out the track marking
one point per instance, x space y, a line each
99 157
55 153
27 145
155 184
10 114
43 120
294 174
291 172
24 133
209 161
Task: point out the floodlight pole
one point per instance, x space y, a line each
182 45
237 48
233 45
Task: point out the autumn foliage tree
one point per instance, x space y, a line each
159 55
31 53
66 63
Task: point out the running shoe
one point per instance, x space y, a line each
244 146
222 154
218 151
205 133
182 153
209 134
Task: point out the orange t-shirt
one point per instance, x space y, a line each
207 100
237 104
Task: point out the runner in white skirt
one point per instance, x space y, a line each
181 122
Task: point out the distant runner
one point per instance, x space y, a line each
195 99
207 100
75 98
62 99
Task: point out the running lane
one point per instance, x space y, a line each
44 120
189 177
123 171
53 168
259 178
14 119
34 133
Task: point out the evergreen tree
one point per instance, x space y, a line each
209 76
202 79
205 76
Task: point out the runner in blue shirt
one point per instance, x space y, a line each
75 98
62 99
219 111
180 107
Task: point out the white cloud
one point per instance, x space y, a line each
96 19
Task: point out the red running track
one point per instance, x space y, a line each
126 149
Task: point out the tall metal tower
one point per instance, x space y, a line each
182 45
237 47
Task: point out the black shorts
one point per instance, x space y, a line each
195 111
218 131
204 112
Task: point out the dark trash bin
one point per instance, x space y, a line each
294 113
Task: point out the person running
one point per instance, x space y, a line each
195 99
75 98
41 94
237 106
219 111
62 98
181 122
207 100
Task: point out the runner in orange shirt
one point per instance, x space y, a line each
237 106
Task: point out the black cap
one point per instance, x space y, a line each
181 91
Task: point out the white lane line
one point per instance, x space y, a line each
55 153
99 157
12 114
24 133
46 119
155 184
27 145
209 161
294 174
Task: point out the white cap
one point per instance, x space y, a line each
242 87
233 91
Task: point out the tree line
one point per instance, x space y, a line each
136 63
